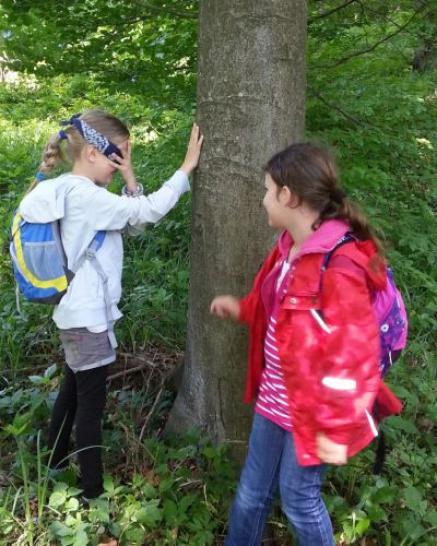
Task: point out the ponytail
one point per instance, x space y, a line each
344 209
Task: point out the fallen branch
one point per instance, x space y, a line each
152 409
11 371
126 371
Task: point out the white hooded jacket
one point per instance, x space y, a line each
84 208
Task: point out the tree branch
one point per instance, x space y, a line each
166 11
349 117
372 47
329 12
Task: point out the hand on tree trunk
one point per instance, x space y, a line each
193 151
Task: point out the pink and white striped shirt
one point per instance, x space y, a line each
272 402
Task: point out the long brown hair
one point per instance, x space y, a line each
54 153
310 172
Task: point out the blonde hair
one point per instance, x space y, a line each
54 154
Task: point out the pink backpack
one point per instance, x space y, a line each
390 313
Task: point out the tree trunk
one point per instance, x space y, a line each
250 104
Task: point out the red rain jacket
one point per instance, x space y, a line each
328 340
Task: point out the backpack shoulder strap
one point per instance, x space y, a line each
347 238
352 252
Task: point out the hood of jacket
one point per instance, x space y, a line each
362 253
46 202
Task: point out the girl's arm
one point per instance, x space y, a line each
112 212
107 211
245 309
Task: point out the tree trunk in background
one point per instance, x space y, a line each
250 104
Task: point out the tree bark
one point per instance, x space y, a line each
250 104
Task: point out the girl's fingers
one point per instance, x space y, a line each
129 150
116 164
195 137
218 310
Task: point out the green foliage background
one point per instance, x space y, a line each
138 60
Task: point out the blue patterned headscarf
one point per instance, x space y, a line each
91 136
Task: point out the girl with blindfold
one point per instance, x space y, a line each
98 145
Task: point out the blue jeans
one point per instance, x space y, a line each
271 464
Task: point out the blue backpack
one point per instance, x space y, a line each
39 261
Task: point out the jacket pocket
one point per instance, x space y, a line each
307 302
301 302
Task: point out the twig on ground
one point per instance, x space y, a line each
127 371
152 409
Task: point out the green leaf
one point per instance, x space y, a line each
170 511
108 484
166 485
81 538
37 379
50 371
148 490
376 513
57 499
362 526
431 517
149 515
186 502
73 491
135 535
413 498
59 529
384 495
72 504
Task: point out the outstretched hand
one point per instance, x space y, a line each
225 307
193 151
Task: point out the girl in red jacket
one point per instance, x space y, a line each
314 350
